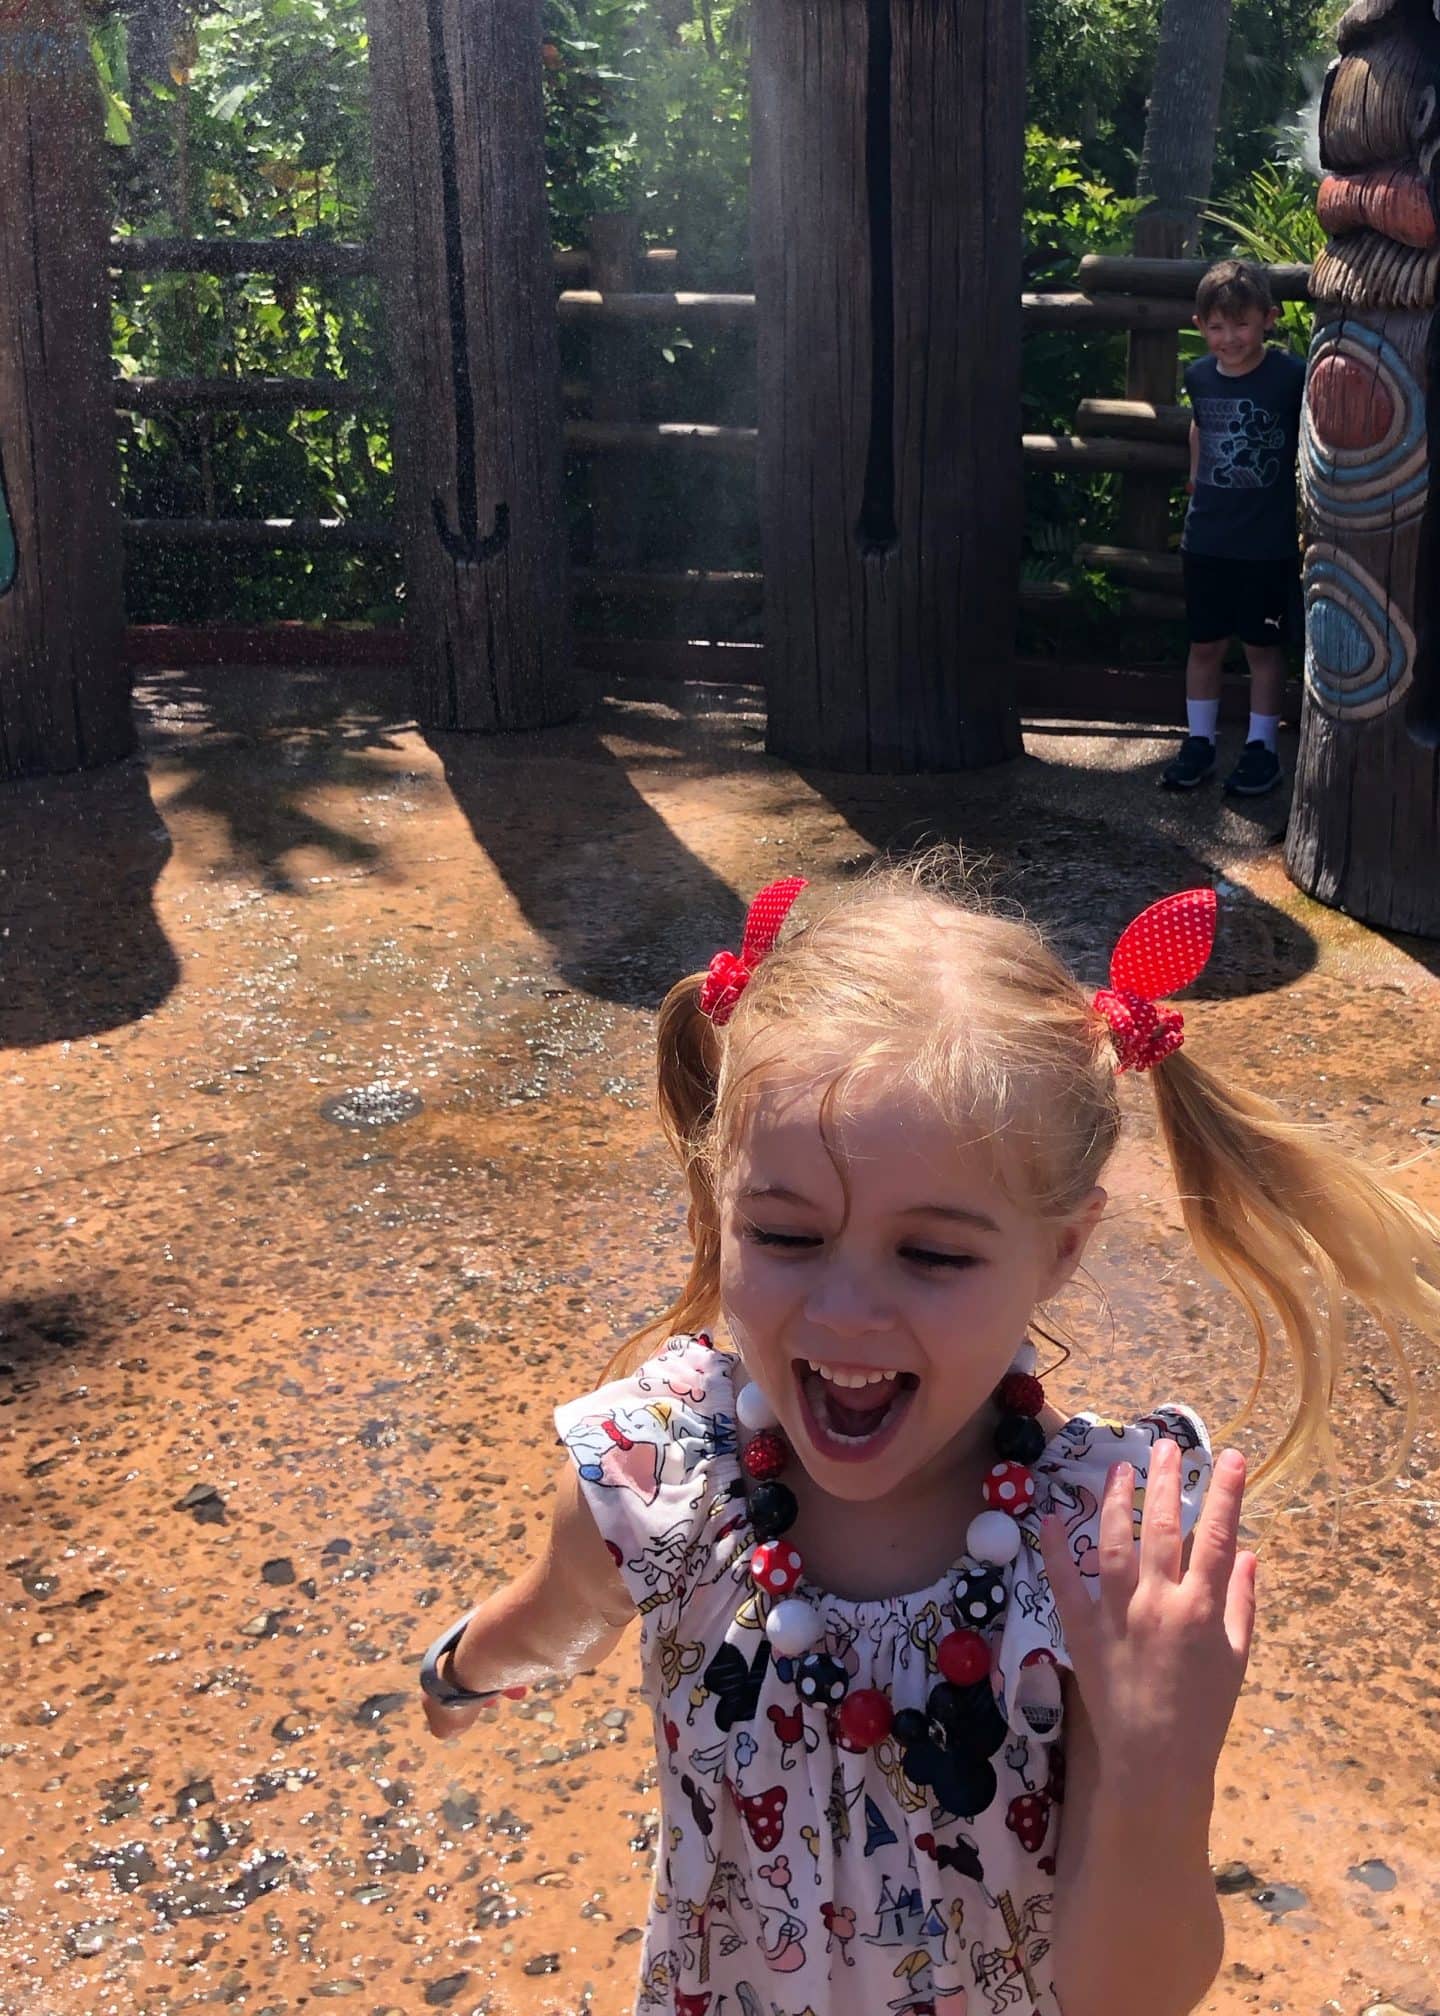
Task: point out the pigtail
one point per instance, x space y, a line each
689 1063
1289 1221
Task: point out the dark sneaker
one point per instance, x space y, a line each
1257 772
1192 766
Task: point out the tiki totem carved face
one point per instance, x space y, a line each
1366 442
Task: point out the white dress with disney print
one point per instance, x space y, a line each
795 1876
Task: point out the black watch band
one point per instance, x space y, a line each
446 1692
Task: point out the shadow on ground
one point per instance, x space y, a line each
82 950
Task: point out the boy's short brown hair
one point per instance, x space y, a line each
1233 288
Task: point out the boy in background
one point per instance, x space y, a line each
1240 548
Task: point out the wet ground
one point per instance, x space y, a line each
327 1163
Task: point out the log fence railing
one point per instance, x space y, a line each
1144 441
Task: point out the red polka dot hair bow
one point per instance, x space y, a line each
728 975
1161 952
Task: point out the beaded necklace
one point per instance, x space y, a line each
947 1745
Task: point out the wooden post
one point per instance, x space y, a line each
466 269
1152 370
64 691
886 231
617 482
1364 829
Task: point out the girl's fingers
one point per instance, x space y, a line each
1212 1554
1119 1570
1161 1543
1240 1606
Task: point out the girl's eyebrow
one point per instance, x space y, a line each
777 1193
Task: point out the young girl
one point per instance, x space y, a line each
877 1577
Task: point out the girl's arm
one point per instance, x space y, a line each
1138 1930
565 1612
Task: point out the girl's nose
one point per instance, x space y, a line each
842 1302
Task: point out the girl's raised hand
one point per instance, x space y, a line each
1159 1658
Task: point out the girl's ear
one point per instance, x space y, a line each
1074 1237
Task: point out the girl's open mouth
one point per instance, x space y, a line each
847 1420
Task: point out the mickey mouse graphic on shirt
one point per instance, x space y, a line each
1241 444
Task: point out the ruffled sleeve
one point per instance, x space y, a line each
1070 1476
655 1453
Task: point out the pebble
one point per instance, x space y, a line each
199 1792
1389 2009
262 1626
1377 1875
278 1573
92 1938
205 1502
461 1811
375 1707
1233 1876
441 1992
542 1963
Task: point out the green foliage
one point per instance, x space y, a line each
1089 71
1272 44
1068 212
648 110
258 129
107 50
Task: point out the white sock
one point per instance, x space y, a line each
1264 728
1202 717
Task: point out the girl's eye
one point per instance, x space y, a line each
782 1239
924 1258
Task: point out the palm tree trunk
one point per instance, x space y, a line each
1175 172
1179 154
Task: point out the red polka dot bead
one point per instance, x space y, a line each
775 1568
766 1455
1021 1393
866 1718
1009 1488
963 1657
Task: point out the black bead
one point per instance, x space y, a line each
822 1678
911 1726
1019 1439
980 1598
970 1716
948 1710
773 1511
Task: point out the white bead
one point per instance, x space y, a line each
794 1626
993 1537
753 1410
1026 1358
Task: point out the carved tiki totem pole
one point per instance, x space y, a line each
1365 827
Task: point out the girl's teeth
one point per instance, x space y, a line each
838 1376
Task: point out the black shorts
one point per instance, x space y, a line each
1257 601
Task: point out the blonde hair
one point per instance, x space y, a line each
907 971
